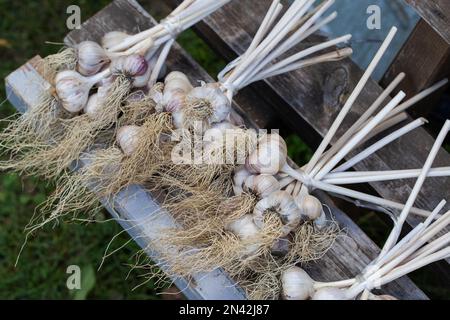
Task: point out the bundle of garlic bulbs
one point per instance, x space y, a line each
51 135
210 104
418 248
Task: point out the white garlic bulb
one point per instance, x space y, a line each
245 229
72 90
329 293
269 157
218 101
127 138
239 177
142 80
296 284
113 38
262 185
281 203
130 66
93 106
176 86
91 58
310 206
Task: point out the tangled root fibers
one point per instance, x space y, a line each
75 135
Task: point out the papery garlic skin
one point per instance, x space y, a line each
310 206
219 103
72 90
246 230
239 177
281 203
296 284
127 138
93 106
91 58
112 39
142 80
329 293
262 185
130 66
176 86
269 157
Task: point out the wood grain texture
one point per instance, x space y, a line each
351 252
425 58
314 96
436 13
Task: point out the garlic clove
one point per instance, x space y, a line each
269 157
296 284
113 38
130 66
174 101
329 294
72 90
262 185
177 81
240 174
127 138
91 58
310 206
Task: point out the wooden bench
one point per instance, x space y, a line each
298 100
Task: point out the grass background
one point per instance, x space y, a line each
25 26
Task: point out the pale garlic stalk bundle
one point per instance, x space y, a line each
129 60
418 248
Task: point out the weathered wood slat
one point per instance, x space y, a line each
436 13
425 58
313 96
351 252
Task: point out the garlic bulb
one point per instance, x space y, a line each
245 229
217 100
72 90
329 293
176 86
130 66
96 101
113 38
269 157
262 185
142 80
282 204
127 138
91 58
310 207
240 174
93 106
296 284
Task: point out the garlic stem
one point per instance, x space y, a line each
395 234
418 97
385 125
337 284
350 101
360 135
354 177
361 121
380 144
